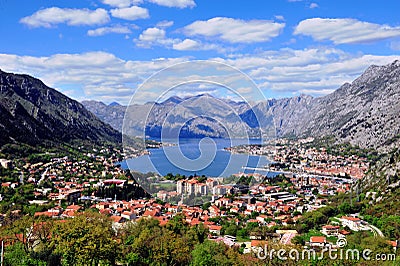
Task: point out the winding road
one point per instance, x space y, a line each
374 229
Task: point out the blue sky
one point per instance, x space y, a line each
104 49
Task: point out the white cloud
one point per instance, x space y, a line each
103 76
395 45
52 16
121 3
187 44
314 5
280 17
235 30
317 71
157 37
106 30
346 30
174 3
93 75
193 45
164 24
150 35
318 92
130 13
291 41
245 90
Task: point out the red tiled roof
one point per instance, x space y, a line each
116 219
46 213
163 220
354 219
344 232
318 239
215 227
73 207
194 221
105 211
151 213
331 226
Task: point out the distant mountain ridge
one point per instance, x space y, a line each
31 112
200 113
365 113
112 114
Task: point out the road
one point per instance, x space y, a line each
43 176
374 229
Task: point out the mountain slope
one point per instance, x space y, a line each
112 114
32 113
286 115
364 113
201 115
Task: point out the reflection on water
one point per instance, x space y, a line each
222 164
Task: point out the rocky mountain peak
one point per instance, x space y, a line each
114 104
364 112
31 112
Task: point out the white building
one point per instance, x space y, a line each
330 230
5 163
192 186
351 222
222 189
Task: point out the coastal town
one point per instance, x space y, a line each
301 158
239 208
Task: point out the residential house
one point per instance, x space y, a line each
215 229
330 230
353 223
317 241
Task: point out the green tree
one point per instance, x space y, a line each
206 205
86 240
197 234
209 254
230 229
156 245
345 208
33 236
177 224
298 240
15 255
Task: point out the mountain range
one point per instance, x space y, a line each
31 113
365 112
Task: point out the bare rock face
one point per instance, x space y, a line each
365 113
31 113
196 116
112 114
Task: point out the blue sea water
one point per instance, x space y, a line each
197 156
